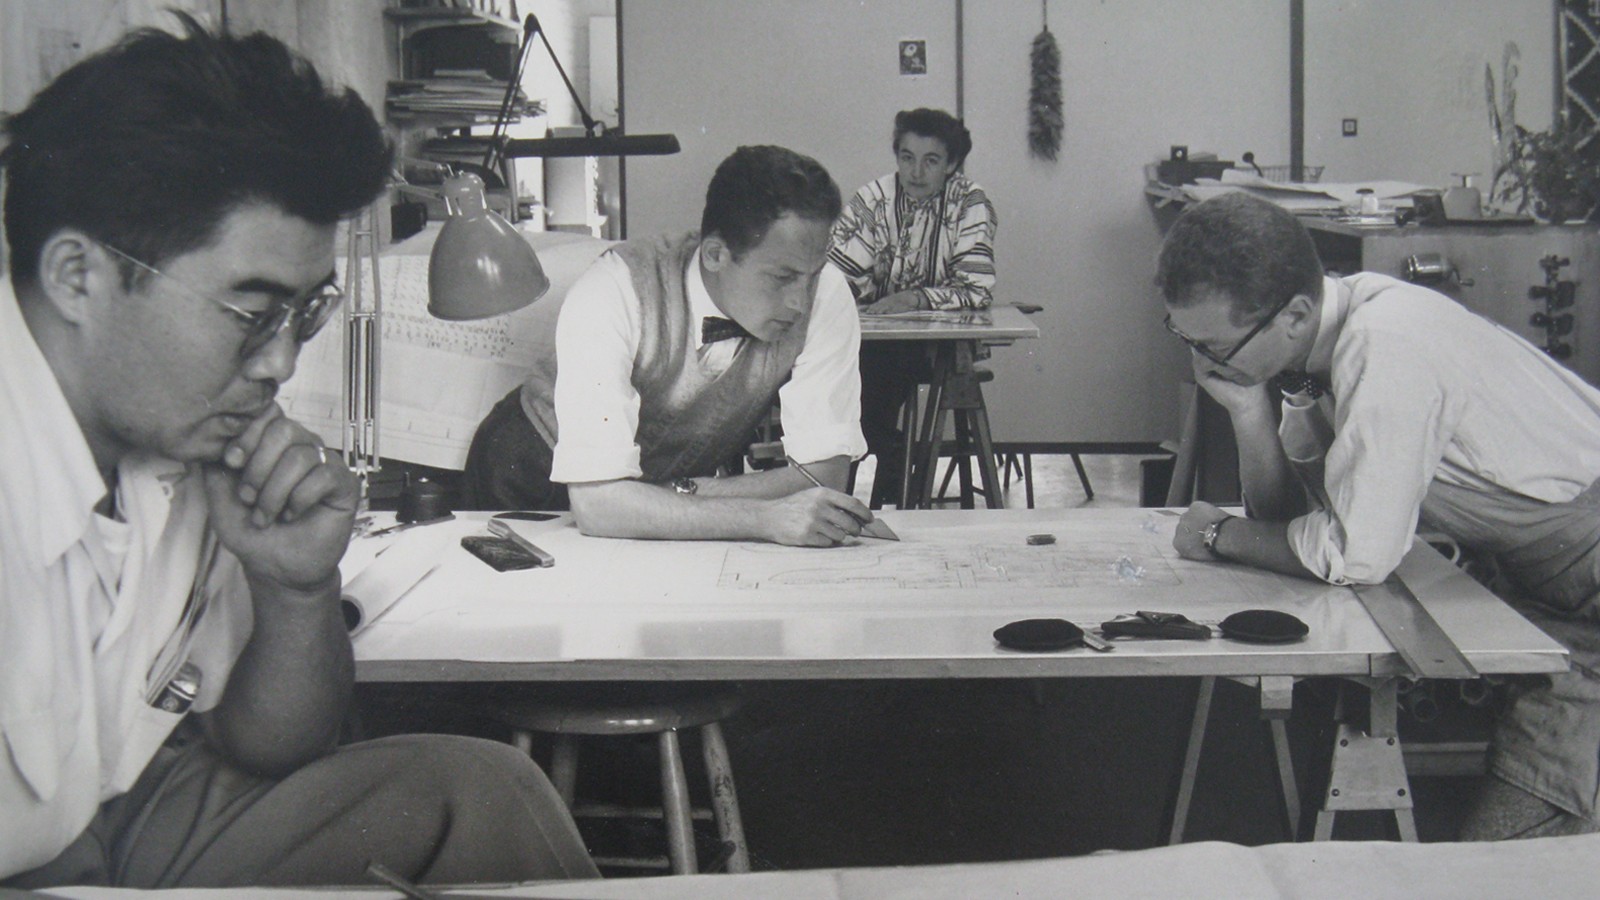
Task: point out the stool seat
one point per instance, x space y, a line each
616 716
570 711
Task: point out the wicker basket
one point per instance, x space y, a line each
1310 174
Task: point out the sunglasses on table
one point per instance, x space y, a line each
1223 359
302 318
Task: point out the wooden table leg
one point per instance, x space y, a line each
908 454
1191 758
1368 771
932 427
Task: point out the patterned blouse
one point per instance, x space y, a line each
885 243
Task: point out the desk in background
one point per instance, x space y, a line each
955 341
623 610
1500 261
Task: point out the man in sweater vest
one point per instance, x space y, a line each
664 357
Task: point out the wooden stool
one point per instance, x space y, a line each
662 716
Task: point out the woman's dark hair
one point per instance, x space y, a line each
938 124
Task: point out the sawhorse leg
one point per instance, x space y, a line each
956 388
1368 770
1277 698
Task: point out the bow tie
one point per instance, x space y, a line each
716 328
1299 383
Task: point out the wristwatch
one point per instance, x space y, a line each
685 485
1209 535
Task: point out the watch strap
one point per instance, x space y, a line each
1210 534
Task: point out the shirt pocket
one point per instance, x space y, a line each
149 728
35 751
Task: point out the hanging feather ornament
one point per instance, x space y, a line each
1044 96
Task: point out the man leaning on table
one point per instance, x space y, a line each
169 540
669 352
1399 405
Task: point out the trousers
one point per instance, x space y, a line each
432 808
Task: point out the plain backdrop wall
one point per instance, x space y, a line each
1076 236
1412 75
817 76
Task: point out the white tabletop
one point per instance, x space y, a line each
926 607
997 325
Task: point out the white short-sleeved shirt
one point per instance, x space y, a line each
90 610
1424 389
597 406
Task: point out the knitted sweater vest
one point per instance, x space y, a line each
688 424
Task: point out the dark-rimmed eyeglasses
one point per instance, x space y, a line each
1223 359
302 319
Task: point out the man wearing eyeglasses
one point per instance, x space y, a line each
169 540
1398 405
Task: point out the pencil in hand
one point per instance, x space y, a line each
870 527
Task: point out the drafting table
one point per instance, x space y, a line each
625 610
955 340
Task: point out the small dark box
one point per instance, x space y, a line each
1185 171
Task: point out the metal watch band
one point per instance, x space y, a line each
1209 535
685 485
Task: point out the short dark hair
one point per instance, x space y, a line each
937 124
150 143
755 186
1254 251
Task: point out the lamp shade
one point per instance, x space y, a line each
480 265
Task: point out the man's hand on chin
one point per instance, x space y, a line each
282 503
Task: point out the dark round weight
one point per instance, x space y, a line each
421 500
1263 626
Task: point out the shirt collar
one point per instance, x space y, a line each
907 204
47 471
1333 309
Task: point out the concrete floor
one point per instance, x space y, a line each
905 772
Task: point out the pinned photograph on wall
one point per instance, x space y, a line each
914 57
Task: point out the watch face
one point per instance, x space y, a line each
685 485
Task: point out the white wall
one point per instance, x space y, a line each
1077 236
1412 76
41 38
817 76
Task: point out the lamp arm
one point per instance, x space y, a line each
503 118
589 124
530 27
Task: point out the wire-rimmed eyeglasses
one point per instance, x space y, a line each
302 319
1223 359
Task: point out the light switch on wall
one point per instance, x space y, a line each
1347 127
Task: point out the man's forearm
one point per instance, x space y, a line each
1267 481
833 472
629 508
290 689
1258 543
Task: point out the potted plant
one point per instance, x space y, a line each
1548 174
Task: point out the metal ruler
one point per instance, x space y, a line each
1422 644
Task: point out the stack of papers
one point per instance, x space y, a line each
1304 197
466 94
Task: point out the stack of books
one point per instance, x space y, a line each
462 96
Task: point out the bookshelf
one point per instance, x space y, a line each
453 63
